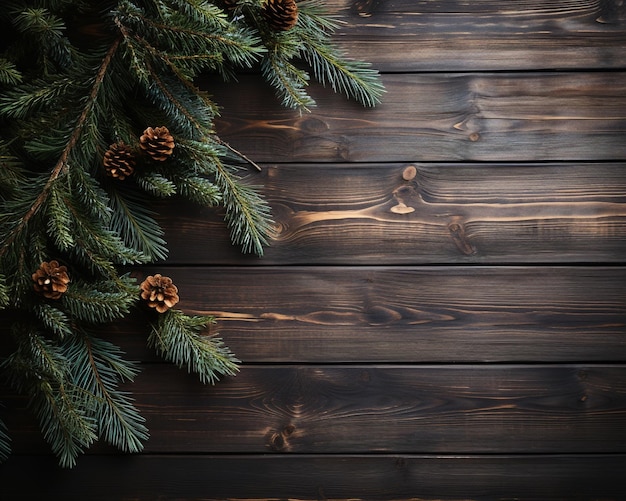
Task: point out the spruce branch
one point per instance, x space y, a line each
5 442
179 338
61 164
78 84
97 368
9 74
4 293
288 81
134 222
41 370
98 302
247 214
54 319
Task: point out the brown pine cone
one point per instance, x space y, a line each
119 161
281 15
159 292
157 142
51 280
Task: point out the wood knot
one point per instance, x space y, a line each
474 136
402 208
457 232
409 173
278 440
313 125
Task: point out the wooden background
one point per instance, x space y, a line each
442 313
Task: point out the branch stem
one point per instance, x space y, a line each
62 164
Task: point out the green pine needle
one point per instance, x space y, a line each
288 81
41 370
99 302
54 319
179 338
156 184
5 442
77 77
134 222
97 367
4 293
9 75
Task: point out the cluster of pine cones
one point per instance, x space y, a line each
51 281
120 159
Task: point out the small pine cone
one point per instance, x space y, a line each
157 142
119 161
281 15
159 292
51 280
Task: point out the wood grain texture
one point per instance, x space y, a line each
443 213
318 477
437 117
441 409
408 314
435 35
441 314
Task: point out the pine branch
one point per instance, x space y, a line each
4 293
247 214
134 222
5 442
99 302
54 319
178 338
199 190
61 164
97 368
12 175
288 81
41 370
352 78
9 74
78 84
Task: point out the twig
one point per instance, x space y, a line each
238 153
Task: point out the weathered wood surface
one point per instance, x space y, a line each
441 312
408 314
412 213
441 409
299 477
437 117
444 35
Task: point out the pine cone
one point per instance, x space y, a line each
281 15
51 280
119 160
159 292
157 142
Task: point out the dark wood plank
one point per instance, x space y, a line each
305 477
413 213
442 314
443 409
405 35
436 117
408 315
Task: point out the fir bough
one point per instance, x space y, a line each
100 115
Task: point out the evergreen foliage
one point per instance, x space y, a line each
82 81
